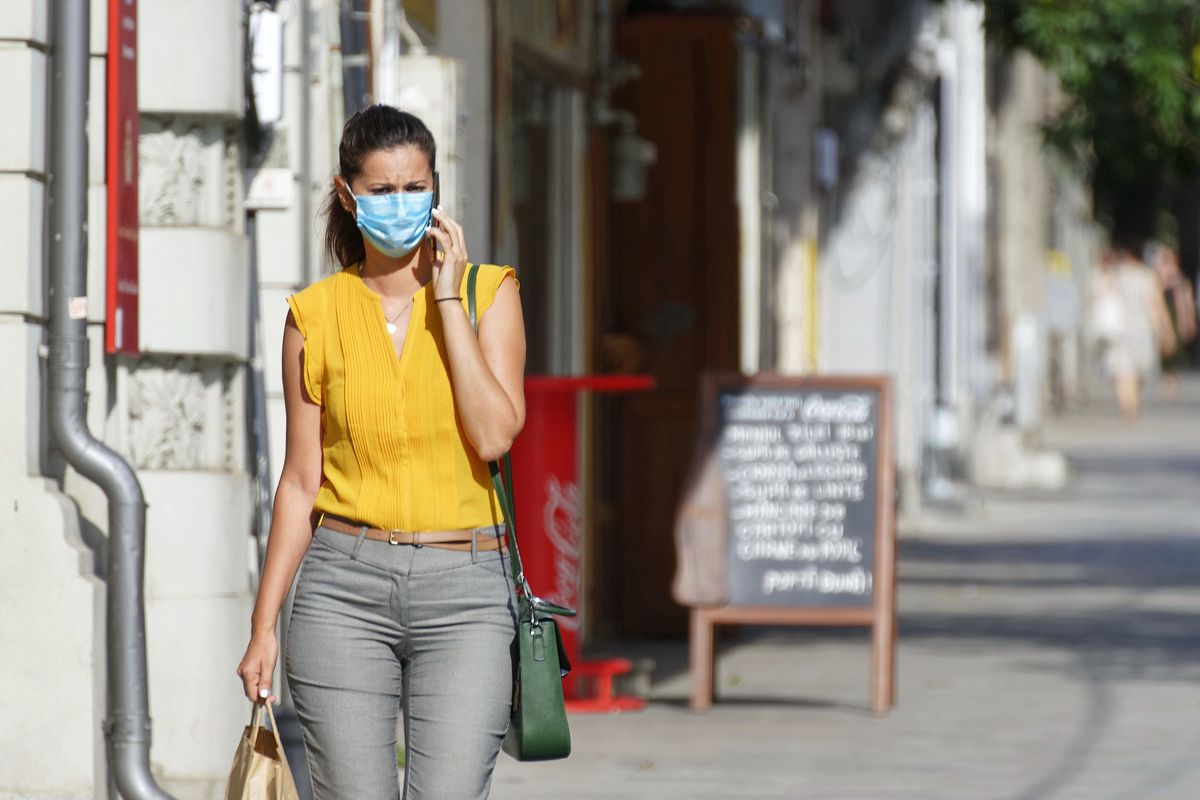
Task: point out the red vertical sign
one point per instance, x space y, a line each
121 327
547 499
549 508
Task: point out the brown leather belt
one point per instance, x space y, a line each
450 540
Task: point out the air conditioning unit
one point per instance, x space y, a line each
266 64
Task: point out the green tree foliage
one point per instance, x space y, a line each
1130 72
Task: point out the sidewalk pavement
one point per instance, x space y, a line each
1049 650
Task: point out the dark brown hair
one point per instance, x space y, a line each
376 127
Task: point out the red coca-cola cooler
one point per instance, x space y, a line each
549 512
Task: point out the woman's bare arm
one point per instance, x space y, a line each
1185 310
488 371
488 374
291 529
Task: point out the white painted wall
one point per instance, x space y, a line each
193 291
194 334
22 199
197 621
51 604
189 57
25 70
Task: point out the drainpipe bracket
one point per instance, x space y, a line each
67 359
127 729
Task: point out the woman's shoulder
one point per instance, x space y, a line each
487 283
490 276
495 272
311 305
319 294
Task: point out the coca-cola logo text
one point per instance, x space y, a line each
562 513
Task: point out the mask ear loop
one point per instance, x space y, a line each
353 197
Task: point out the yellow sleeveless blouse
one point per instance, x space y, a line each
394 451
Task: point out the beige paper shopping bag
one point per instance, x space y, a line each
260 769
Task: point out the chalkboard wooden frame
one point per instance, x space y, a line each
881 615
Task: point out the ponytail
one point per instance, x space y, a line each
343 241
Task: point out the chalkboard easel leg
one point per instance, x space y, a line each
702 656
883 664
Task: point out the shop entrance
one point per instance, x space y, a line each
667 305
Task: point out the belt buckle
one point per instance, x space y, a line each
392 537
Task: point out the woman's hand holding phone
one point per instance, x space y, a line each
449 269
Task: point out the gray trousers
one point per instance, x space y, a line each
374 626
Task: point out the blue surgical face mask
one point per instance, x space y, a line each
394 224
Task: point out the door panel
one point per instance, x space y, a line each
671 298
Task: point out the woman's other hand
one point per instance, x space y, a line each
258 667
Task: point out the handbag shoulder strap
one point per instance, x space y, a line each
506 506
502 479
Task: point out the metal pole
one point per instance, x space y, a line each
748 188
304 134
127 727
256 406
951 253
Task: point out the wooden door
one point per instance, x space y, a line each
668 305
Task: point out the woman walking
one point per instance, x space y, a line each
1130 324
385 505
1181 313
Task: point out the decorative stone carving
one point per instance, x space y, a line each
232 168
182 414
190 173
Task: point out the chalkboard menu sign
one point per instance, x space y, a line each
806 469
801 475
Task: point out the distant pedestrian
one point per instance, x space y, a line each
385 504
1181 312
1129 322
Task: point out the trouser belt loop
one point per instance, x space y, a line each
362 535
474 545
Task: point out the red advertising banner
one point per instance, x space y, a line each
121 162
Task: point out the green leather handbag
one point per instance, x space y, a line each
538 729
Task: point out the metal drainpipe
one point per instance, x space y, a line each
128 725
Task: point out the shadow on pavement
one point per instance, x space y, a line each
769 701
1160 560
1112 643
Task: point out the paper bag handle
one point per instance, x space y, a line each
256 716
